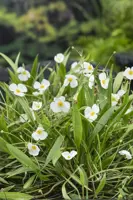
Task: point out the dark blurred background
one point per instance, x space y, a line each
47 27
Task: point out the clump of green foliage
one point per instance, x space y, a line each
98 170
113 31
104 27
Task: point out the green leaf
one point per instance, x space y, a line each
15 196
56 158
66 54
10 62
17 171
45 121
77 124
3 125
41 71
101 185
61 72
89 95
7 189
54 151
29 182
107 161
81 97
3 145
24 104
102 122
13 77
83 177
129 128
17 60
2 180
22 157
118 114
117 82
109 91
64 192
33 71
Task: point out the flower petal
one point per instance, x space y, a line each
87 111
59 58
121 93
36 85
126 153
74 84
22 87
13 87
74 64
20 70
23 77
66 155
66 82
95 108
35 136
73 153
54 107
102 76
66 107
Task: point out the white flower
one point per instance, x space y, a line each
72 80
91 81
126 153
59 58
121 93
24 75
36 105
18 90
33 149
88 68
24 117
91 113
69 155
128 73
75 67
39 134
74 64
104 80
42 86
114 99
60 105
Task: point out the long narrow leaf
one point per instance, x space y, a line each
54 152
77 125
15 196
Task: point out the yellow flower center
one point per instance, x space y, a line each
37 105
103 81
68 156
130 72
42 86
89 67
70 79
92 113
34 147
60 103
18 91
24 73
113 99
39 132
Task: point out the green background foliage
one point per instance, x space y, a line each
49 27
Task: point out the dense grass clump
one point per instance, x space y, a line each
66 137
